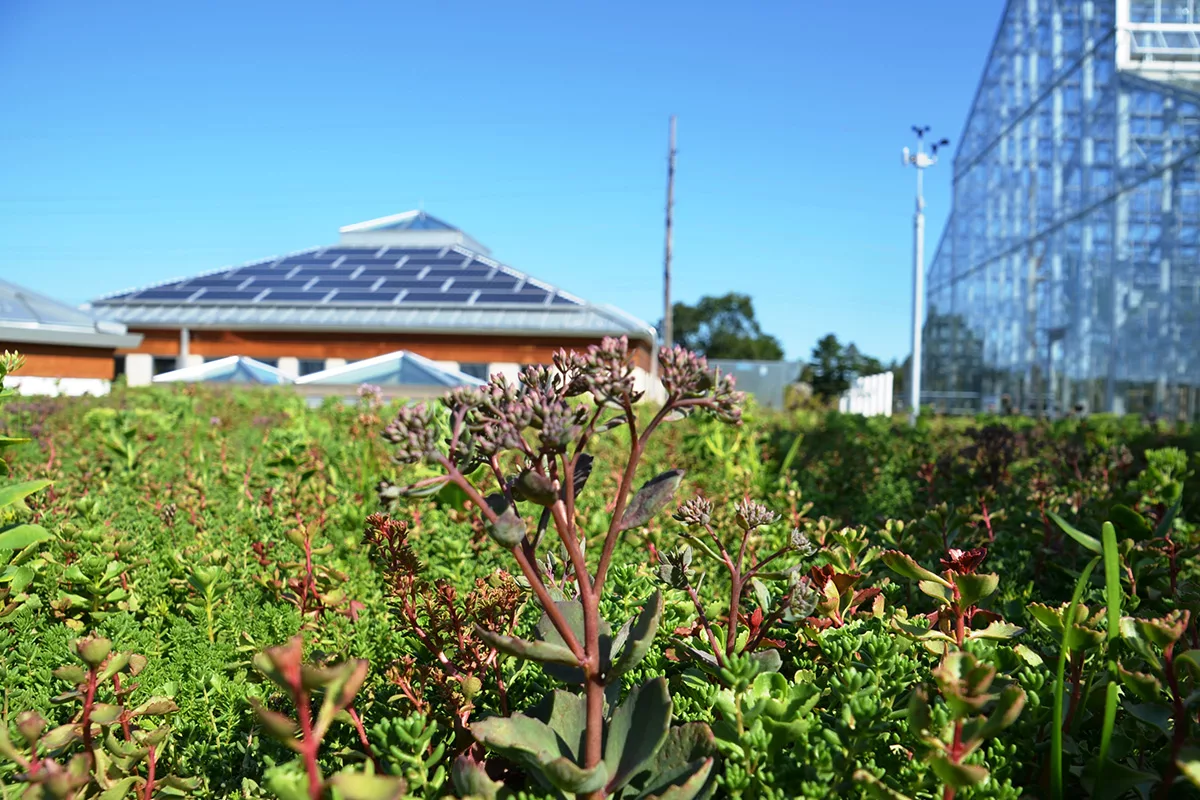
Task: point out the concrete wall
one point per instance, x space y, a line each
53 387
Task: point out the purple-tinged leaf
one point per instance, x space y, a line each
651 499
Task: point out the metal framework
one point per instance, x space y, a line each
1069 269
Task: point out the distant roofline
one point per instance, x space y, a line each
395 355
199 370
86 332
392 219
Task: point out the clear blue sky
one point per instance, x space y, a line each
148 140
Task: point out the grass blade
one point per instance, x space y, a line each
1112 599
1088 541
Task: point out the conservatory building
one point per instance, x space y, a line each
1068 274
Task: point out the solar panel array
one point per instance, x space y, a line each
358 276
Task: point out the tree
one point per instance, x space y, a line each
827 372
724 327
834 366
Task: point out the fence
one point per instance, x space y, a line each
767 381
870 396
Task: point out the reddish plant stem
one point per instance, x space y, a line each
712 637
610 538
987 521
85 720
527 568
308 746
1179 721
152 762
735 603
362 738
1173 566
1076 689
955 756
124 716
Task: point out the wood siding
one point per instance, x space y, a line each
56 361
465 349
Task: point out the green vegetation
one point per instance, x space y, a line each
542 590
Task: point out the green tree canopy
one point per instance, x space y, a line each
724 327
833 366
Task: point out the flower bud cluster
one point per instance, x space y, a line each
414 432
802 597
696 511
495 418
751 515
686 375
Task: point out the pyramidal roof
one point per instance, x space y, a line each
231 369
406 221
26 316
401 368
409 272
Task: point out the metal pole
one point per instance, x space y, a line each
668 322
918 303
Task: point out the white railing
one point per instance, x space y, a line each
870 396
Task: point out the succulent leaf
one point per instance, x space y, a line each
960 776
636 731
651 499
633 642
974 587
906 566
542 651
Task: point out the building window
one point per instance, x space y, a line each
164 364
310 365
118 366
270 362
475 370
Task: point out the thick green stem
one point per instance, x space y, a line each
1112 596
1056 726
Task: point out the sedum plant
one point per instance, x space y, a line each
19 540
746 576
956 591
518 451
103 751
969 715
338 684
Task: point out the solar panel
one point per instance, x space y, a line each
259 284
283 296
308 258
426 296
258 269
442 274
511 297
408 283
222 280
559 300
242 296
352 252
377 268
312 271
344 296
165 293
343 282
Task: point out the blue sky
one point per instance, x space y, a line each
149 140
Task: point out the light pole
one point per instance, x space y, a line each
921 160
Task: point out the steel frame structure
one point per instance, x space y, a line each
1069 269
